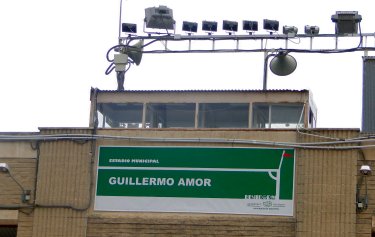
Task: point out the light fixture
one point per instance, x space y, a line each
365 170
346 22
159 18
129 28
209 26
250 26
4 167
26 194
190 26
362 201
282 64
270 25
231 26
311 30
290 31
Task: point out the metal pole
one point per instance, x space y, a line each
119 27
265 68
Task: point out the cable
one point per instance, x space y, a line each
332 145
109 69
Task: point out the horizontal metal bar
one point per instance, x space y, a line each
179 37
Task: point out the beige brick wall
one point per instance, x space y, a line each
138 224
63 187
325 193
326 187
21 158
365 218
324 199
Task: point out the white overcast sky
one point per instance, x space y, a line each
53 52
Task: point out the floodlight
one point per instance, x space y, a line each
346 22
189 26
290 31
230 26
271 25
129 27
250 25
159 18
4 167
283 64
311 30
210 26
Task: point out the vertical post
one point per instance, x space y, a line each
120 80
119 24
265 68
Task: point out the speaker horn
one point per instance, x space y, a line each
135 52
283 64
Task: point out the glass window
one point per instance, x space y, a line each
223 115
261 116
286 116
171 115
277 115
120 115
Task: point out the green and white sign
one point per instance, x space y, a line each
196 179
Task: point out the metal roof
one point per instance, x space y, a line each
199 91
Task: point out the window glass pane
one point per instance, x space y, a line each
162 115
260 116
223 115
286 115
120 115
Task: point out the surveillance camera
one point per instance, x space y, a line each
365 170
4 167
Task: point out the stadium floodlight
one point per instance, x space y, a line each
250 26
129 28
271 25
159 18
290 31
346 22
209 26
311 30
190 26
231 26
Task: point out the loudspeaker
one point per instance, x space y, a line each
283 64
135 52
